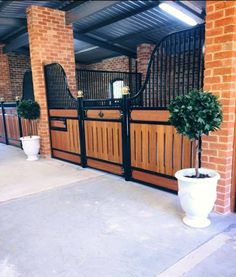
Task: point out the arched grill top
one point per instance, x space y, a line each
176 66
58 92
28 90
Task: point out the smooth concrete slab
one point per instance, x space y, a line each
19 177
103 226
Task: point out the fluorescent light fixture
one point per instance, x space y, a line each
178 14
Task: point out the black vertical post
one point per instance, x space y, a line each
83 159
19 120
126 135
4 122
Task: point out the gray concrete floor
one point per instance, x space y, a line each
57 219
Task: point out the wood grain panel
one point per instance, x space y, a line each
103 114
58 123
103 140
67 140
63 113
149 115
66 156
155 180
158 148
25 127
105 166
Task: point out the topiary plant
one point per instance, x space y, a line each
195 114
30 110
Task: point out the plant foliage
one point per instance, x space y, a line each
30 110
195 114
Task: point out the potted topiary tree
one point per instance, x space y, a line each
193 115
30 110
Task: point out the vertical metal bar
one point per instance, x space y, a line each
202 31
83 159
179 60
165 82
194 46
126 137
19 121
170 68
199 58
157 77
174 69
189 54
4 122
183 75
153 82
161 74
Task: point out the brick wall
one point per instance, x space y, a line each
50 40
144 52
220 79
5 84
18 64
114 64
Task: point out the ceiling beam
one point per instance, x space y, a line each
105 44
16 43
86 50
4 4
7 21
117 18
82 11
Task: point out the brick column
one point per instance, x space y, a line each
5 82
220 79
144 52
50 40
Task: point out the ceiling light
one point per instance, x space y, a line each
178 14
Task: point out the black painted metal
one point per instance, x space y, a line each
19 122
126 137
28 89
4 123
97 84
58 92
165 79
83 158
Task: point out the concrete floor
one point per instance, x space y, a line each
57 219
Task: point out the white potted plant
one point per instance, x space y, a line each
30 110
193 115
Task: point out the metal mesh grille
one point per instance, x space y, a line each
58 93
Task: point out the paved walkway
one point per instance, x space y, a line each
57 219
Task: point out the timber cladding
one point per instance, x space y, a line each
104 140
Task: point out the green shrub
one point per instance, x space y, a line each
30 110
195 114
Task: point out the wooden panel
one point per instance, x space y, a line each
103 140
104 114
25 127
2 133
158 148
67 140
149 115
58 123
105 166
66 156
63 113
12 126
155 180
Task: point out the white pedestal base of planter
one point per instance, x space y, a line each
31 147
196 222
197 196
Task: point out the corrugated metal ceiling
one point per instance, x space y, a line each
150 26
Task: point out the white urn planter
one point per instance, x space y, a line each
197 196
31 147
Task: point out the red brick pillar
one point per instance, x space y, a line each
50 40
144 52
5 82
220 79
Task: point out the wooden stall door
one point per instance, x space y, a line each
64 133
157 151
103 136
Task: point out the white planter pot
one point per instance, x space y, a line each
197 196
31 147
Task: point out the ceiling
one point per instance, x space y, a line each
102 29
